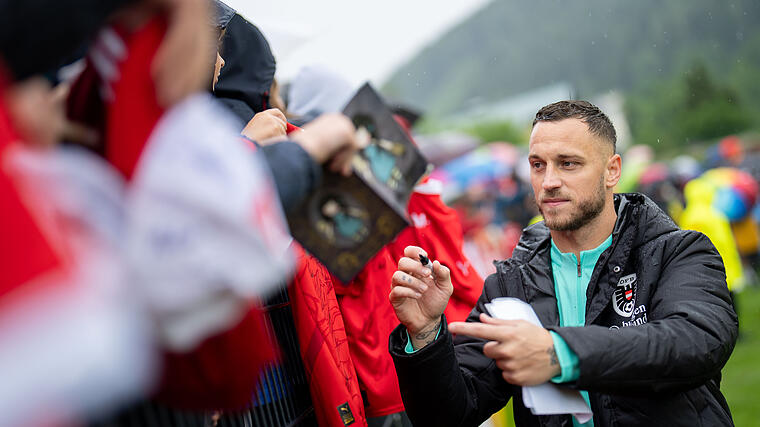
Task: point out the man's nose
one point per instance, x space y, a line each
551 179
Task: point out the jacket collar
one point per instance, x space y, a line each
532 253
632 209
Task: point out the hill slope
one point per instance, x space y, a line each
512 46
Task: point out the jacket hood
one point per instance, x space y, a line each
636 213
249 68
699 191
317 90
222 14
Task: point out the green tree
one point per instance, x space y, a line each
710 110
689 107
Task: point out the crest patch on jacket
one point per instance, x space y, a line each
624 297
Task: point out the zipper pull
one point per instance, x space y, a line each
579 268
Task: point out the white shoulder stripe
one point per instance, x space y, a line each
112 43
432 187
104 65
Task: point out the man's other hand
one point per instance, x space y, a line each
523 351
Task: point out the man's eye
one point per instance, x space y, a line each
537 165
569 164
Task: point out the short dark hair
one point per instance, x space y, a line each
598 122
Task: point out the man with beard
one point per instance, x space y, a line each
635 312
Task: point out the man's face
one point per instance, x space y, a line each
568 173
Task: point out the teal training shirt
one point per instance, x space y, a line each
571 278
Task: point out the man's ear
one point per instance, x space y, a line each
613 170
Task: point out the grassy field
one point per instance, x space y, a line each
741 376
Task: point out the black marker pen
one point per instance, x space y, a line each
425 261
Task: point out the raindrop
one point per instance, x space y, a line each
654 45
593 42
658 140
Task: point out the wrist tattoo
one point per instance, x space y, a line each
424 335
553 360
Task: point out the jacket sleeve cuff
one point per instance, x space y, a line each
399 342
409 349
568 360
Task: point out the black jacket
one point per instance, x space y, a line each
658 366
294 172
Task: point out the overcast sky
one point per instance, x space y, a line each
362 40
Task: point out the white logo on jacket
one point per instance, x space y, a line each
420 220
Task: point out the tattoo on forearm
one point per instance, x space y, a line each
553 360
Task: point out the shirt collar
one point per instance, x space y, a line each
591 254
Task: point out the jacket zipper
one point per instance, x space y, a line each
580 313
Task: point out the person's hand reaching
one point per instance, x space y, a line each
331 139
267 127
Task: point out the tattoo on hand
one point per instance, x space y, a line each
553 360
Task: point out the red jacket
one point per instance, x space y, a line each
324 346
369 319
27 252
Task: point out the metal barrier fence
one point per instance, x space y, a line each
281 400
